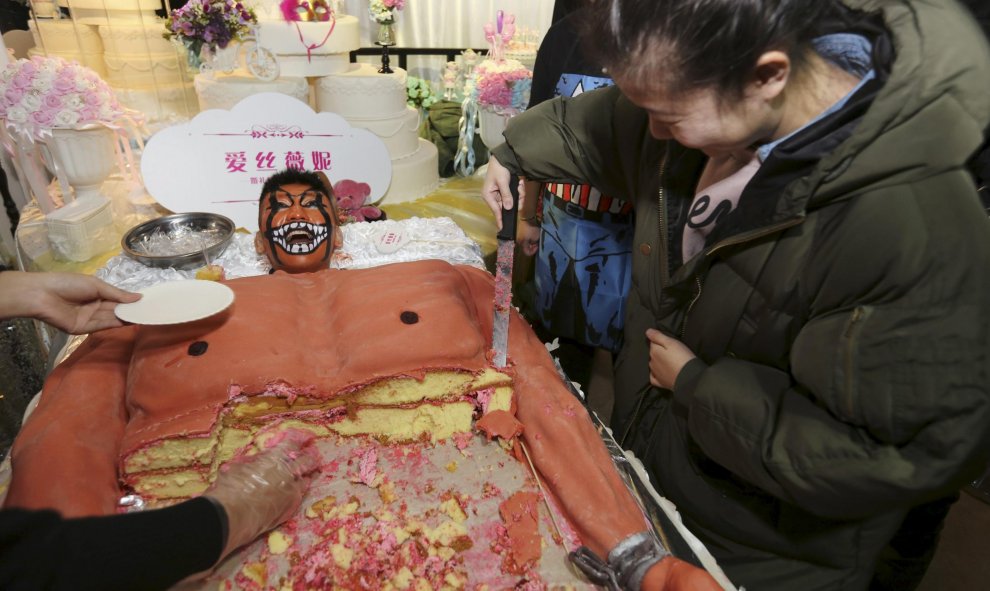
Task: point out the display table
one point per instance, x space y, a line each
456 198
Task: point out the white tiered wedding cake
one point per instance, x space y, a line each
377 102
302 49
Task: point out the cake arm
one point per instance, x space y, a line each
65 456
570 456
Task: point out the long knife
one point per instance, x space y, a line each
503 277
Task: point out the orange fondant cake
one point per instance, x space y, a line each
383 364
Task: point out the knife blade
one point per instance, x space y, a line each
503 277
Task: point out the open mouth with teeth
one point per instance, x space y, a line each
299 237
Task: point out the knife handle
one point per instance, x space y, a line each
508 231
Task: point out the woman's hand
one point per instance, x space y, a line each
668 356
495 190
73 302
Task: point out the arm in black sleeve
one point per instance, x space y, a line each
140 551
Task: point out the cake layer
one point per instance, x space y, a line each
242 419
304 66
104 11
126 39
361 92
172 484
223 91
400 133
93 61
316 39
137 71
162 102
64 36
415 175
174 468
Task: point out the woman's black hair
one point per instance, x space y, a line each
692 44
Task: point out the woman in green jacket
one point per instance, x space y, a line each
807 343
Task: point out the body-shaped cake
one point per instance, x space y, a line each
398 353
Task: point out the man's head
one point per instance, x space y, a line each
297 222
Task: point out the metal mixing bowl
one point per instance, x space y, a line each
217 232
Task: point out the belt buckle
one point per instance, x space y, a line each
574 210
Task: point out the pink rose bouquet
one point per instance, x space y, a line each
502 85
40 93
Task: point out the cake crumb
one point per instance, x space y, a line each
278 542
342 555
402 579
386 492
452 508
256 573
455 580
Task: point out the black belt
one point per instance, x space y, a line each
576 211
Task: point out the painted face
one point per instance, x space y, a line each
697 120
297 230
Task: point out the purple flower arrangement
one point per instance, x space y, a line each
210 23
42 93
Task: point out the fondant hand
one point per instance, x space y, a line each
75 303
261 491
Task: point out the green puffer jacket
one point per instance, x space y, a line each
842 326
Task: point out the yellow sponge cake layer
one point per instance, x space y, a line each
169 484
172 453
432 421
436 385
426 422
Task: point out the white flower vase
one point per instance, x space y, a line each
491 123
82 228
85 156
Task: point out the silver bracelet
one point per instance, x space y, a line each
627 562
633 556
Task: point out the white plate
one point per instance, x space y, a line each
175 302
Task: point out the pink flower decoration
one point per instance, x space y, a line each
13 95
92 98
52 101
44 117
46 92
64 85
22 80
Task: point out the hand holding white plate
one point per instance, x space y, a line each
175 302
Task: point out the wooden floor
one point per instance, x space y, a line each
962 560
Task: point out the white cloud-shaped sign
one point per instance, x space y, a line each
219 161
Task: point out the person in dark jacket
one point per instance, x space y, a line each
804 366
